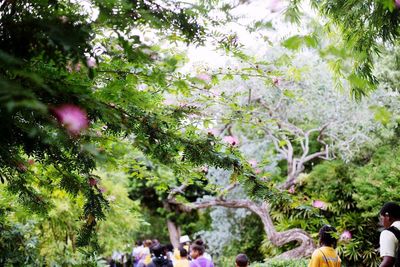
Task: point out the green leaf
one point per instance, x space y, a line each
382 114
293 43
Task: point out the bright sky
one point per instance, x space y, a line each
255 42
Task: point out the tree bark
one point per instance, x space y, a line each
306 247
174 233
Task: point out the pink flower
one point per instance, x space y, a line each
257 171
92 181
204 169
91 62
319 204
204 77
292 190
397 3
72 117
346 235
232 140
253 163
77 66
102 189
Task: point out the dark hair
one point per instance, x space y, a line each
199 246
169 247
327 236
158 250
391 209
139 243
183 252
242 260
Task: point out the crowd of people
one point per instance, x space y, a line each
150 253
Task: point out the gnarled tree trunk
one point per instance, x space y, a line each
306 243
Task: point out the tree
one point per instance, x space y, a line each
294 108
62 96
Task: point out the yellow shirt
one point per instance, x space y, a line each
325 257
182 263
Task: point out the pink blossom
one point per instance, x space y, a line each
204 77
232 140
31 161
91 62
257 171
397 3
77 67
72 117
102 189
92 181
253 163
346 235
292 190
319 204
204 169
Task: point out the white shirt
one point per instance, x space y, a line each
389 242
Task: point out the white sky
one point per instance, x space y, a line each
254 43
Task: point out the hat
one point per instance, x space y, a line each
184 239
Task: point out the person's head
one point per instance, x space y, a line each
147 243
139 243
242 260
327 236
158 250
390 212
183 252
184 240
169 247
197 249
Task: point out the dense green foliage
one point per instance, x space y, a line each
111 170
49 60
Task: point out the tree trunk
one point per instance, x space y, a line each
174 233
306 243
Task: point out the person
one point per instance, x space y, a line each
184 242
136 252
170 253
183 261
197 253
144 254
325 255
242 260
389 238
160 257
